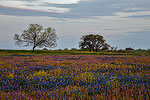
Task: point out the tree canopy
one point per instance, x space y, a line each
93 43
36 36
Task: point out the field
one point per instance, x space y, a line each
74 76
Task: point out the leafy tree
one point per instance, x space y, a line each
129 48
45 49
65 49
36 36
93 43
74 49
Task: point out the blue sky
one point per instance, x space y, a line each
123 23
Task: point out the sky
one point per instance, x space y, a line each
122 23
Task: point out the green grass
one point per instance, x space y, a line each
71 52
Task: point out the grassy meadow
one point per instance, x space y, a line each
74 75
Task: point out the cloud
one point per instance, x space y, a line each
33 5
133 14
75 8
39 5
114 19
71 8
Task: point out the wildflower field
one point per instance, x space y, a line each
74 77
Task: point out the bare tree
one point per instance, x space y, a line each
36 36
113 48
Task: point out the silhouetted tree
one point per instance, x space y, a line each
45 49
93 43
129 48
65 49
36 36
74 49
113 48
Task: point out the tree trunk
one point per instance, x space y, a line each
33 49
90 49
